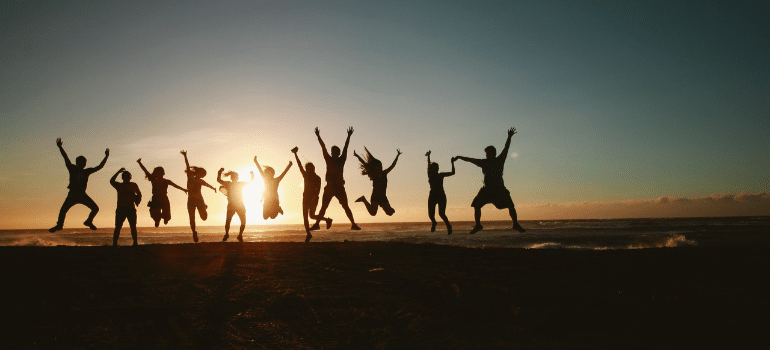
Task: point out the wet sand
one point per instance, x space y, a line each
375 295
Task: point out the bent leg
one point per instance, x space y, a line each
65 207
88 202
442 214
325 200
477 217
514 218
343 199
132 224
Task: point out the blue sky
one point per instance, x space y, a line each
614 102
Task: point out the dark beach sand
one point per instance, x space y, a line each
384 296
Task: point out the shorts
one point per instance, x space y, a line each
500 197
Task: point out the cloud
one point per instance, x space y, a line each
743 204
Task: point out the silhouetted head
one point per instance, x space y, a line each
80 161
310 167
433 168
126 176
233 175
371 166
197 172
335 151
269 171
158 172
491 152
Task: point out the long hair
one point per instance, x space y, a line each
231 173
370 164
158 172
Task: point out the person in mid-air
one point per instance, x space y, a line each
437 196
312 189
271 206
335 182
494 190
77 187
234 192
372 167
195 201
160 207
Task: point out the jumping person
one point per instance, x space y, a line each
494 190
195 181
129 197
335 182
77 187
437 195
310 194
373 168
160 208
271 206
234 192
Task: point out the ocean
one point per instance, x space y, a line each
540 234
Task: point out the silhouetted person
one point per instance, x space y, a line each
78 183
271 206
195 201
494 190
234 192
160 208
437 195
129 197
310 194
372 167
335 182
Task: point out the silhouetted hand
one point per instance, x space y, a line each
511 131
183 152
121 170
58 142
427 154
317 132
107 152
350 131
294 150
139 160
290 163
398 150
252 173
454 159
255 159
355 154
221 170
185 191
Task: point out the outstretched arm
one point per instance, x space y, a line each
113 179
104 161
428 155
63 154
186 162
284 172
299 163
504 152
204 183
146 173
219 176
177 186
359 157
347 141
394 162
474 161
258 167
323 145
453 169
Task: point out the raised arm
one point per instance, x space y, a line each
428 155
175 185
394 162
344 154
259 167
186 162
113 179
504 152
252 175
284 172
219 176
299 163
359 157
104 161
146 173
320 141
204 183
63 154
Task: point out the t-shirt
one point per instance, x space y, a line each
79 177
334 170
127 192
493 172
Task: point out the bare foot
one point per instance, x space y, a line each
518 227
316 227
308 237
240 238
355 227
433 227
476 228
361 199
224 239
448 229
55 228
90 225
329 223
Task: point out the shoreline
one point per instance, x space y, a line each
383 295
